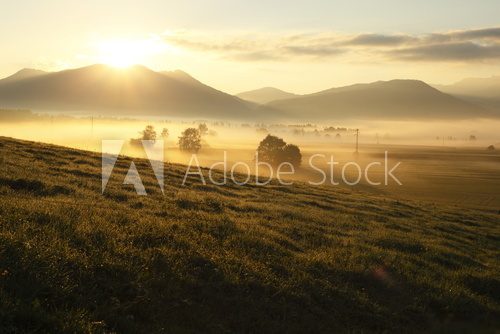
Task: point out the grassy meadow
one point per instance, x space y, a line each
221 259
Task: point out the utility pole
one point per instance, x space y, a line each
356 153
357 140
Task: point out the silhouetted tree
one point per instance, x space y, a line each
148 133
203 129
275 151
165 133
291 153
190 140
262 130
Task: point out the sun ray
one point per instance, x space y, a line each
123 53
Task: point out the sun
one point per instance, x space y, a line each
120 53
123 53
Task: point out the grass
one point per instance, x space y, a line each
229 258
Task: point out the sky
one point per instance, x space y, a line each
235 45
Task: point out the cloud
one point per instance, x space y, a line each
200 43
314 50
256 56
467 35
380 40
462 45
463 51
259 47
493 33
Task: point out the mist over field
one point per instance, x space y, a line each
87 132
440 161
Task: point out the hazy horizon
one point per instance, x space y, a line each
236 46
237 93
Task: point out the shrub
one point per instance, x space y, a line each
275 151
148 133
291 153
190 140
203 129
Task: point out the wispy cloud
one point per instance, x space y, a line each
462 51
453 46
380 40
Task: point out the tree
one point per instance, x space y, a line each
275 151
203 129
190 140
148 133
165 133
291 153
262 130
298 132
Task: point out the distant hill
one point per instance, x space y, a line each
483 91
183 77
265 95
24 74
395 99
139 90
111 91
189 80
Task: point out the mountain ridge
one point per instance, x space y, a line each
24 73
482 91
111 91
393 99
265 95
103 88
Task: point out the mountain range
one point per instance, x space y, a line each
100 88
141 91
394 99
481 91
266 95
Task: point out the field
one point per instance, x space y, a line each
459 172
232 258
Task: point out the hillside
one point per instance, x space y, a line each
229 258
483 91
141 91
396 99
265 95
138 90
25 73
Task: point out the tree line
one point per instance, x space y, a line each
271 149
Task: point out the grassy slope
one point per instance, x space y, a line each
221 259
